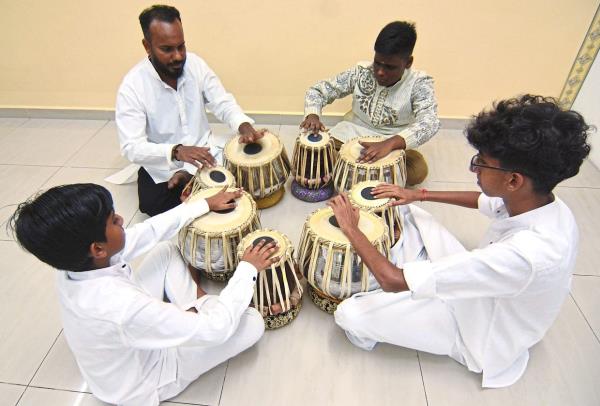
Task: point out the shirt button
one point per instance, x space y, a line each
254 278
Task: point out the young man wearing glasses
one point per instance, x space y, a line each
484 308
389 99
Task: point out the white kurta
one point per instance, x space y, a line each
152 117
131 347
494 302
407 108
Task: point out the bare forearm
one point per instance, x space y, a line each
465 199
389 277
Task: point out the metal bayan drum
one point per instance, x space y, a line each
210 242
333 269
261 168
313 161
360 196
389 169
278 290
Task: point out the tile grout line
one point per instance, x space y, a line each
223 385
422 379
84 144
585 318
39 366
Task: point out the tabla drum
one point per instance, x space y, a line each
278 290
361 197
347 172
261 168
325 256
210 242
216 176
313 161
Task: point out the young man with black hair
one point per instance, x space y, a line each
139 337
484 308
161 113
389 99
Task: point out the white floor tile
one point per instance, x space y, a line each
310 362
448 155
563 370
46 142
29 313
586 292
10 394
53 397
8 124
101 151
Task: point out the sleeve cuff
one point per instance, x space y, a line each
409 139
312 110
246 270
173 164
238 120
420 280
195 209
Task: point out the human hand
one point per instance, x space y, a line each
312 123
223 200
249 134
197 156
259 255
178 178
399 194
373 151
346 215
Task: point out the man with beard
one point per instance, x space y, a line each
389 99
161 116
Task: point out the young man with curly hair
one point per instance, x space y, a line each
487 307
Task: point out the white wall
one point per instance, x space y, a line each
588 104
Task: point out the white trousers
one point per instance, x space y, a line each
395 318
164 273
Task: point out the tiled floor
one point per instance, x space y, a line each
310 361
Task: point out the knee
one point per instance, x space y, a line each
254 325
347 315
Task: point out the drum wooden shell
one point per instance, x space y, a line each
280 284
261 168
328 261
348 172
313 159
210 242
360 196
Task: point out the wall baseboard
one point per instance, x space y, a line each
449 123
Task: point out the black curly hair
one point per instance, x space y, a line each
532 135
59 225
158 12
396 38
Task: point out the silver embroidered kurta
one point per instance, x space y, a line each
408 108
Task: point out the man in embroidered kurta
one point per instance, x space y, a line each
389 98
484 308
132 345
161 113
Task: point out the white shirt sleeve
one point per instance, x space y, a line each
220 102
502 269
491 206
142 237
151 324
130 117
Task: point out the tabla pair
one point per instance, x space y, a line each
214 243
318 169
327 259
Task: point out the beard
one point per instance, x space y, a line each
170 70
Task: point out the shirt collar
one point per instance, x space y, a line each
119 268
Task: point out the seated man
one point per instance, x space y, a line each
132 348
161 116
484 308
388 99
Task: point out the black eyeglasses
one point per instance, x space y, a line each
475 164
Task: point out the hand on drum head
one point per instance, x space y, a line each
249 134
346 215
259 255
223 200
197 156
312 123
373 151
399 194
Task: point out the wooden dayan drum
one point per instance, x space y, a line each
280 285
347 173
261 168
210 242
325 256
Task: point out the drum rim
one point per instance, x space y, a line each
255 164
380 206
287 252
376 164
325 144
190 229
312 234
228 176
